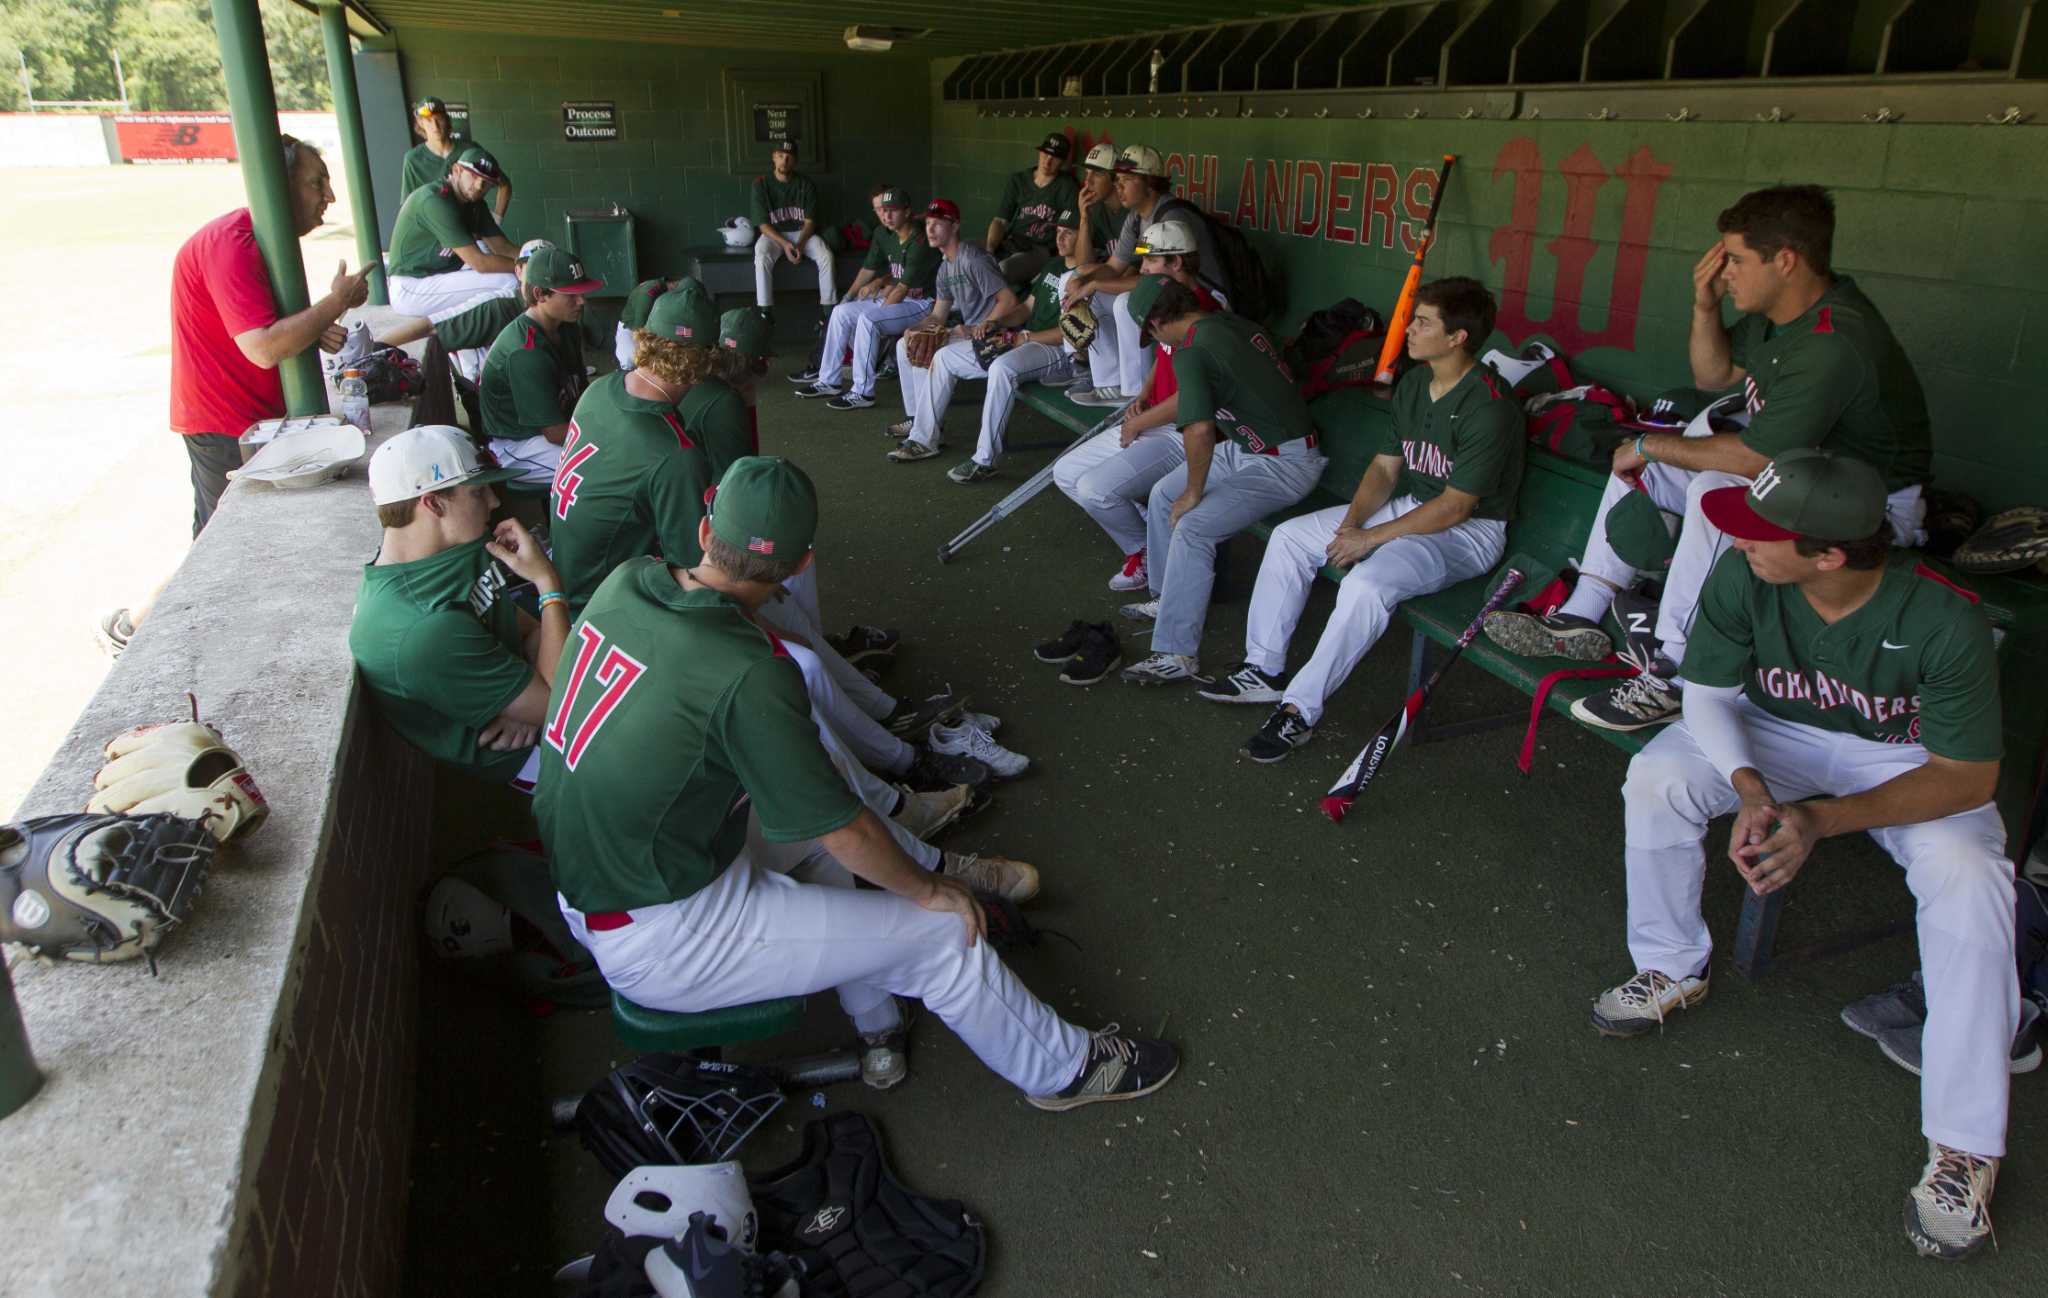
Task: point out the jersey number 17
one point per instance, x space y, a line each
616 672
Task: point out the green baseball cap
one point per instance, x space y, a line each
428 105
479 159
766 505
894 196
684 317
1068 219
1641 533
745 330
1802 493
1144 294
553 268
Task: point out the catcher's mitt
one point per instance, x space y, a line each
1077 326
99 888
2007 542
184 768
923 344
991 345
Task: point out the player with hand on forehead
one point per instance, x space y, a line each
1251 450
1836 686
446 247
1818 367
892 292
1432 510
969 289
727 878
429 161
784 207
1112 474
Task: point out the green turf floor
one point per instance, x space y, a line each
1389 1085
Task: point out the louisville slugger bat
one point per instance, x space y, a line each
1404 306
1017 499
1374 755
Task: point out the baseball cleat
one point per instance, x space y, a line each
982 721
885 1055
113 631
909 452
1635 612
816 394
1132 575
900 429
925 814
1643 1003
971 471
1283 732
1100 655
1008 879
1143 611
1556 635
912 718
969 741
1064 646
1901 1005
1104 398
1638 703
862 642
888 370
1948 1214
1243 683
932 769
806 379
1116 1068
1162 669
1901 1045
849 401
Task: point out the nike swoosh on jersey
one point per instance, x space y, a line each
1889 645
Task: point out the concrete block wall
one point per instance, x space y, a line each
670 164
1588 232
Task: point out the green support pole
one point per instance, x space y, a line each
20 1079
253 103
348 115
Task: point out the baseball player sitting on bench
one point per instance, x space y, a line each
456 668
632 482
1011 357
534 371
466 330
429 161
784 206
1834 685
1020 235
727 878
970 288
446 248
891 293
1251 449
1818 367
1110 473
1120 357
1101 215
1431 510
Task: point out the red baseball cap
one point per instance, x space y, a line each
943 208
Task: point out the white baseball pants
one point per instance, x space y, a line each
1118 358
1956 868
1180 561
623 347
1025 363
537 458
1108 479
767 252
928 391
1700 546
432 295
792 617
869 741
756 933
1401 569
863 327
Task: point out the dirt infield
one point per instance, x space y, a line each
100 505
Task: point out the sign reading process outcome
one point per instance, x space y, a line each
590 119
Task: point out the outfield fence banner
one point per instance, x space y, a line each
174 138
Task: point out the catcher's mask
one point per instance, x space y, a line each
668 1108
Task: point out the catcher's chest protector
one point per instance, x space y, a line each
841 1213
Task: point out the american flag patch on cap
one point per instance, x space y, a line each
761 545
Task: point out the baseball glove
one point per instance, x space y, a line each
923 344
1077 326
184 768
99 888
1951 518
2007 542
991 345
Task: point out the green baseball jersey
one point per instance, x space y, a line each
1032 209
1105 219
1835 378
1914 665
437 643
432 222
527 380
479 325
905 258
1231 372
716 419
671 718
1045 295
631 483
423 166
1471 438
640 301
784 204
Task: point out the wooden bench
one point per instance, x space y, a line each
1554 510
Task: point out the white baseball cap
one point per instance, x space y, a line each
1101 158
1141 159
531 246
1166 239
432 457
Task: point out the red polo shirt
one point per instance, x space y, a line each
1164 384
219 288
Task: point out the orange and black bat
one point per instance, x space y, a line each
1404 306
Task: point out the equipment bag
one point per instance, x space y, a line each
1338 347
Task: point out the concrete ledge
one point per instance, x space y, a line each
241 1123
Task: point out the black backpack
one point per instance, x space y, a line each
1338 347
1254 288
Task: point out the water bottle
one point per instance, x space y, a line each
355 399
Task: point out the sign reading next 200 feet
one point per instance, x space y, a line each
590 119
